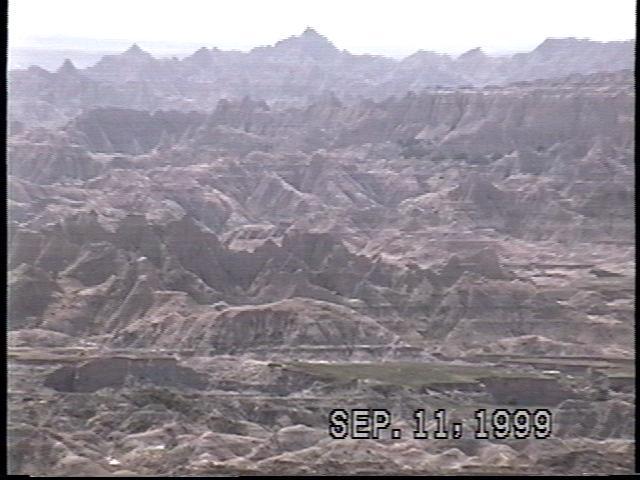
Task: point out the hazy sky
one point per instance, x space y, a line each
392 27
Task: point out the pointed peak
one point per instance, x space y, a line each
309 43
35 69
67 67
202 53
135 50
474 52
311 36
310 32
202 56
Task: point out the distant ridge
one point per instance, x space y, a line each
309 33
294 71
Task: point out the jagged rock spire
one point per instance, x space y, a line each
202 56
309 31
135 50
310 43
67 67
473 53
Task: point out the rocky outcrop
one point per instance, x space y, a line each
527 391
294 322
600 420
30 291
523 127
114 372
327 220
119 130
51 161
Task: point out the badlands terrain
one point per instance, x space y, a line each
209 255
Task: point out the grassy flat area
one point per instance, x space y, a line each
621 373
551 361
608 367
413 374
566 359
34 356
565 362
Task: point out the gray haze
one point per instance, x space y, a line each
396 28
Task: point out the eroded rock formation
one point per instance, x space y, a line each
194 291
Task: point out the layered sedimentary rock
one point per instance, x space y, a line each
195 292
180 219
